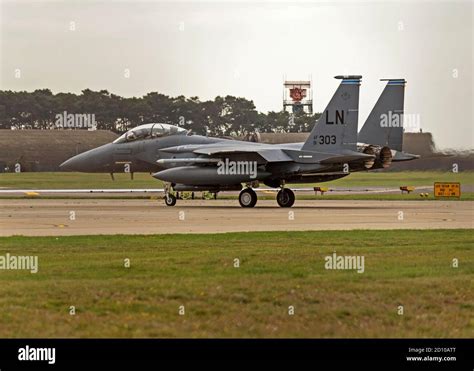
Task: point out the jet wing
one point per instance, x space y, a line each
268 154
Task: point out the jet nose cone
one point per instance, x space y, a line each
73 164
65 165
95 160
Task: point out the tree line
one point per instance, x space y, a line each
223 116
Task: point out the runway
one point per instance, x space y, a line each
61 217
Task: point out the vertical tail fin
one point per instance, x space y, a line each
336 129
384 126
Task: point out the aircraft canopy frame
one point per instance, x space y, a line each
149 131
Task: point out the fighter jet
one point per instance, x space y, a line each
382 132
187 162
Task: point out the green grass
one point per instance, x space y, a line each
277 269
65 180
144 180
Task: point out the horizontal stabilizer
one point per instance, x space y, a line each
403 156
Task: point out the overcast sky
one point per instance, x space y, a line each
207 49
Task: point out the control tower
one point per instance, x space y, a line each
298 96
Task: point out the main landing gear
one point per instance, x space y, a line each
285 197
248 197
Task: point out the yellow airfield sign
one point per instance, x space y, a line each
446 189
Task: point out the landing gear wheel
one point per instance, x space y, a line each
170 200
247 198
285 197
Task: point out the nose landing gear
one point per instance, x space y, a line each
170 200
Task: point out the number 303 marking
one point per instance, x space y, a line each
324 139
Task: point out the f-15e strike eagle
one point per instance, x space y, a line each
187 162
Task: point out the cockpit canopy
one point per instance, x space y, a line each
146 131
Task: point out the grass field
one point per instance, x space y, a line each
397 179
277 270
77 180
144 180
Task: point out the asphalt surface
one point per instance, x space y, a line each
59 217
